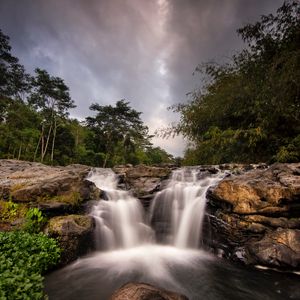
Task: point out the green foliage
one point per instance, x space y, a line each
119 130
249 110
14 82
24 258
9 211
290 152
35 123
34 220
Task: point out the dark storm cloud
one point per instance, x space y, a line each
205 31
141 50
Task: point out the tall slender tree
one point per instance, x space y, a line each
51 97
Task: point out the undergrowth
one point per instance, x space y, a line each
24 258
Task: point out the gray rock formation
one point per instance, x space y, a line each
57 188
143 181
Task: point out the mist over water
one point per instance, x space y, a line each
160 248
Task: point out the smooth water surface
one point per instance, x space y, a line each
194 273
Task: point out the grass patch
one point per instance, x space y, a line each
17 186
73 198
10 211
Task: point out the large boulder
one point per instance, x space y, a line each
254 216
57 188
274 191
280 248
74 234
143 181
143 291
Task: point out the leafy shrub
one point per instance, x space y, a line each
289 153
34 220
24 257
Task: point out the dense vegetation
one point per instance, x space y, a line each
35 123
248 110
24 257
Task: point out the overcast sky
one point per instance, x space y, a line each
142 50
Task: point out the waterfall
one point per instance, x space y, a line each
120 221
176 213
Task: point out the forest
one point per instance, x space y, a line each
248 109
35 123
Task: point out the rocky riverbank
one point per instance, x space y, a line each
253 214
60 193
254 217
63 195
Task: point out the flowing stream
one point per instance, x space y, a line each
160 248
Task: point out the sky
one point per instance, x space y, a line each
144 51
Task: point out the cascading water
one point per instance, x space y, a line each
181 207
134 255
120 221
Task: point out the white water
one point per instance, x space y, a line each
182 203
180 208
120 221
135 256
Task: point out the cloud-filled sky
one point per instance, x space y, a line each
142 50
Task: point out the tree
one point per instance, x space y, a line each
51 97
18 131
116 127
249 110
14 81
35 123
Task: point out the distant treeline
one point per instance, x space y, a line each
35 123
248 110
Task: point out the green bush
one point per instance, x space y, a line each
289 153
34 220
24 257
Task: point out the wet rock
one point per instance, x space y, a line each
142 180
274 191
255 217
143 291
277 249
147 171
74 234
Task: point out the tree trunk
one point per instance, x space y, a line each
47 142
43 143
14 152
53 140
105 160
20 151
37 147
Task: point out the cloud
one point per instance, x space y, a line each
140 50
